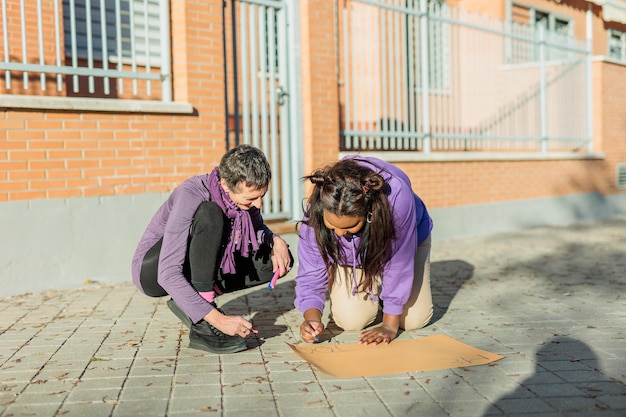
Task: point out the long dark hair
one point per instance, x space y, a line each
349 189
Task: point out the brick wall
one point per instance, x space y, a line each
54 154
319 73
64 154
613 119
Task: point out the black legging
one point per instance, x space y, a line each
204 254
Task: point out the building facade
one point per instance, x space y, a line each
506 114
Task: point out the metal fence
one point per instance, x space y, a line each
422 76
86 48
259 94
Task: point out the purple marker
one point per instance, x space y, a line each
272 283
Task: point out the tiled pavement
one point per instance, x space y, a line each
551 300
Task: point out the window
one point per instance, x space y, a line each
131 28
617 45
531 23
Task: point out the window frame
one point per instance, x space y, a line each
538 17
125 29
620 44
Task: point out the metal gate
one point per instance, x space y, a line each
261 95
421 76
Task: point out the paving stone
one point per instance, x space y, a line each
549 299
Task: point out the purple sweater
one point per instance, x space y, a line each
172 222
412 226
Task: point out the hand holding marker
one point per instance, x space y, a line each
272 283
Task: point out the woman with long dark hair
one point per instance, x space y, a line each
364 239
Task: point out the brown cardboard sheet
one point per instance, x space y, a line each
400 356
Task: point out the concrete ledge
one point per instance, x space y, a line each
404 156
483 219
109 105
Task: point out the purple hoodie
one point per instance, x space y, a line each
412 226
172 222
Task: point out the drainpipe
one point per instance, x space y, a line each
589 80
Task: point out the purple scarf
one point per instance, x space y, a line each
242 229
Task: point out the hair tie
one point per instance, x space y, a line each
366 188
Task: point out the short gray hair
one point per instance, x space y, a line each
245 164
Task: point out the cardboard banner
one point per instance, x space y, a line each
400 356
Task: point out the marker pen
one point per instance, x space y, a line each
272 283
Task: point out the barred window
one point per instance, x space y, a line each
530 22
130 33
617 45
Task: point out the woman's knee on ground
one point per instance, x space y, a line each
352 320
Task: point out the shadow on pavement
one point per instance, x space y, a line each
567 379
446 278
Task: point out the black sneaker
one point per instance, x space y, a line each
204 336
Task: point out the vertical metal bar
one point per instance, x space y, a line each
589 77
146 28
398 80
262 41
444 99
42 76
245 73
271 37
73 44
254 71
24 45
297 150
417 48
433 63
354 76
89 23
401 79
508 42
411 74
166 64
105 45
133 43
57 43
453 99
285 175
425 65
357 73
384 124
406 89
5 38
543 114
118 39
393 86
347 48
233 28
459 93
370 64
449 56
225 61
375 65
